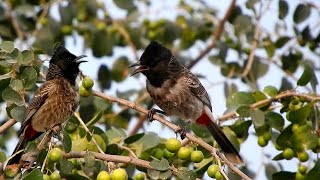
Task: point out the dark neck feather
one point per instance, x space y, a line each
171 72
55 71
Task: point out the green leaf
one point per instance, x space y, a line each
270 91
165 175
244 111
186 174
28 57
12 96
232 137
5 76
149 140
79 144
283 9
16 84
65 167
134 138
29 78
34 175
200 130
101 43
269 47
66 142
240 98
282 41
301 13
7 46
95 119
18 113
304 138
242 129
125 4
161 165
306 75
284 139
299 116
154 174
89 159
275 120
278 157
314 173
270 169
100 142
283 175
257 117
115 135
3 156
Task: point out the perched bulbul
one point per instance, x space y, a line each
54 102
178 92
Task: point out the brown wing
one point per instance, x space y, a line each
36 102
196 88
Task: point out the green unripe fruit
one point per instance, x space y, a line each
300 176
119 174
70 127
173 145
103 175
295 127
267 136
66 29
55 176
85 92
46 177
184 153
218 176
139 176
87 82
158 153
302 169
288 153
55 155
262 142
303 156
196 156
212 170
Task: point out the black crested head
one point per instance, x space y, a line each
154 54
65 64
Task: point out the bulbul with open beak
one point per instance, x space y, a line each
54 102
178 92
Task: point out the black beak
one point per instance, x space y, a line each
80 61
140 69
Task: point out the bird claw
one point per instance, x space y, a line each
182 133
56 132
152 112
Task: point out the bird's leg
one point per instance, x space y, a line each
152 112
182 132
56 132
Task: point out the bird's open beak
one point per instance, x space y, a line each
80 61
140 69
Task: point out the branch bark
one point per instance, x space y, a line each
171 126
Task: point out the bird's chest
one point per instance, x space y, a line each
176 99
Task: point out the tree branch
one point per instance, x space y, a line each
282 95
171 126
7 125
216 36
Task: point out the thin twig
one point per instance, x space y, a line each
171 126
7 125
14 21
216 36
284 94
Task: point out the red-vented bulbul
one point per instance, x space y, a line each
54 102
178 92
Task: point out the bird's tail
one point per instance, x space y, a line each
229 150
16 155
